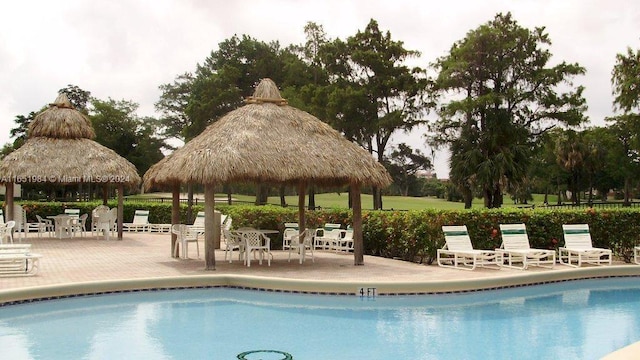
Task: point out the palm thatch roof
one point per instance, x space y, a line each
60 149
268 141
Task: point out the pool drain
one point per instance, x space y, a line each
242 356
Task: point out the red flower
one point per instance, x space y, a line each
494 233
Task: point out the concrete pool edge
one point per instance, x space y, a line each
27 294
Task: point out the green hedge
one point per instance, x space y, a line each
410 235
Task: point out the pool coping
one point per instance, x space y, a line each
328 287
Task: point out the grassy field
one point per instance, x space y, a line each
335 200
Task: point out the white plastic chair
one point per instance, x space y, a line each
6 232
287 234
20 217
45 226
185 235
256 241
232 242
103 223
300 243
95 214
79 225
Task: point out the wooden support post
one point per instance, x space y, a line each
301 218
175 216
358 242
211 228
8 199
120 209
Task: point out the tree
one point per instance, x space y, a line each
570 155
305 96
77 97
500 97
173 106
219 84
372 92
625 81
21 131
626 91
119 128
404 163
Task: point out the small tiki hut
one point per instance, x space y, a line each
268 141
60 149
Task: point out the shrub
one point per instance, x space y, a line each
409 235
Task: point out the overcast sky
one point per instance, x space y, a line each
126 49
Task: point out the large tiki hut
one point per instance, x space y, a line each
268 141
60 149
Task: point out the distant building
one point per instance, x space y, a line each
425 174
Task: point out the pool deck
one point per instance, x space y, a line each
143 261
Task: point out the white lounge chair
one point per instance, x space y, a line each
515 249
140 222
17 259
198 223
72 212
185 235
301 243
578 248
326 238
636 255
345 241
458 252
290 229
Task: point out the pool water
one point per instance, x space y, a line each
570 320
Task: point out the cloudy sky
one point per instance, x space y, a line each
125 49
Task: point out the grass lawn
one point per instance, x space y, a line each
335 200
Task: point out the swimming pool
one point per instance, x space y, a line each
583 319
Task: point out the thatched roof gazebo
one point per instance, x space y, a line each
268 141
60 149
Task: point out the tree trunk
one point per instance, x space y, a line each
467 196
228 191
627 192
175 217
488 200
377 198
190 218
546 195
312 198
283 200
262 194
